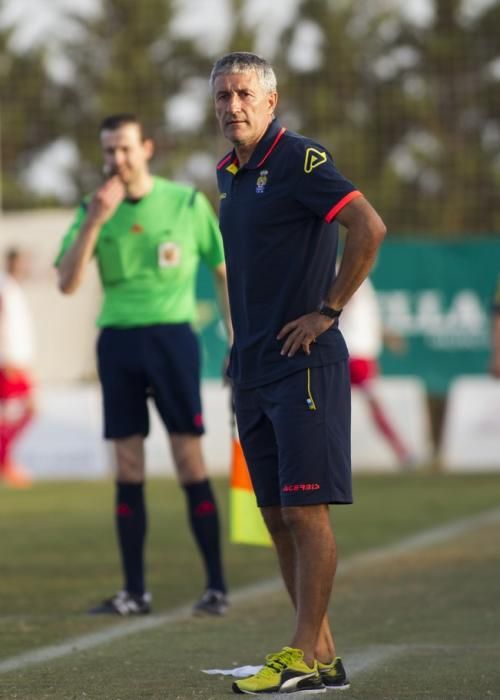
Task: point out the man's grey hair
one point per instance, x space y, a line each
242 62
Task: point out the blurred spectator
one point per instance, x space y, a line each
361 326
495 333
16 357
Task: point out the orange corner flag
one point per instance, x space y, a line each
246 523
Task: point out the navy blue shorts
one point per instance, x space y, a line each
296 437
161 362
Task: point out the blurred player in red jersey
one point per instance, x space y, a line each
362 328
16 356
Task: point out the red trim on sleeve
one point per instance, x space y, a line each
273 146
340 205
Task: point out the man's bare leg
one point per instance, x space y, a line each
306 550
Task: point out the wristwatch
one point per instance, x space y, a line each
329 311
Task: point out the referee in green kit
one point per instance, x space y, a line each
148 236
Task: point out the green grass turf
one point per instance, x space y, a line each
59 557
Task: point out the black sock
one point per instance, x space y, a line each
131 528
204 520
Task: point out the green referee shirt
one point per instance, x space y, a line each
148 254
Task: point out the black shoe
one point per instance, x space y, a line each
124 603
333 675
212 602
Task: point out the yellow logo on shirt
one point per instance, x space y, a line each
313 159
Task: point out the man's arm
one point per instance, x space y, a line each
102 206
220 280
365 233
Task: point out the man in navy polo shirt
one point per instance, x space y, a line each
281 198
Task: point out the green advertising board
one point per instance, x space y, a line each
437 297
210 327
434 295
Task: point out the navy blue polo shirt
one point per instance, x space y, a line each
277 217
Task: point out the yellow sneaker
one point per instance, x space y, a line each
284 672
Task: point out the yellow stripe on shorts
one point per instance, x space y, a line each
310 400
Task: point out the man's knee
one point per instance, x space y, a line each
188 457
299 517
274 521
129 454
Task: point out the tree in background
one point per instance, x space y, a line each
27 125
410 109
451 137
121 63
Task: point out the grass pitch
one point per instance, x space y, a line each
419 624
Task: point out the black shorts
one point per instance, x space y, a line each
296 437
161 362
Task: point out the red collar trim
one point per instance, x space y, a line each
273 146
224 160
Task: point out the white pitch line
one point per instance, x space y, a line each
371 657
366 659
89 641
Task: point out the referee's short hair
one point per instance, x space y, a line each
242 62
116 121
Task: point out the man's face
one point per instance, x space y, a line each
126 153
243 109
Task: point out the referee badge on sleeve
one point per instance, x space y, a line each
169 254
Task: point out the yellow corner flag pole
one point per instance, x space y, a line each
246 525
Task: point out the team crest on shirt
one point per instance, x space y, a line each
169 254
313 159
261 183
